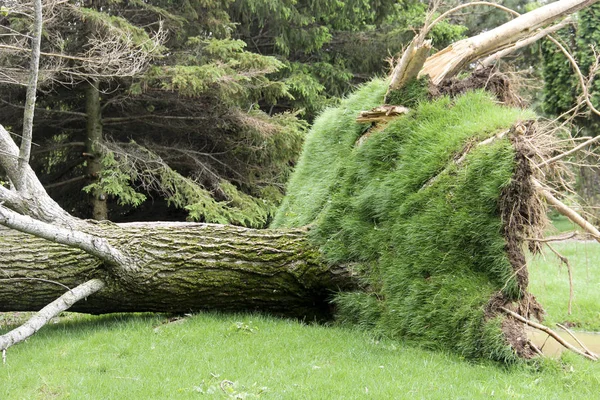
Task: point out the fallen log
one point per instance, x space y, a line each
183 267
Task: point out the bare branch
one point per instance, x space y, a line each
94 245
577 70
471 4
455 57
567 211
550 332
12 199
525 42
61 304
583 346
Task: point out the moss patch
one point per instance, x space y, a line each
417 209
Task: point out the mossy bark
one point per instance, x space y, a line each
181 267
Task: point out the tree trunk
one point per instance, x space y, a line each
94 137
183 267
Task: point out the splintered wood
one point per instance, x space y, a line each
381 114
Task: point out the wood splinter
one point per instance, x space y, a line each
382 113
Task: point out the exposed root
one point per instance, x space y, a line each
568 153
523 214
483 78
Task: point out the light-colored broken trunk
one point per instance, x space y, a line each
457 57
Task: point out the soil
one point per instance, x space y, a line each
482 78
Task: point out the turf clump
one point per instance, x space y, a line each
416 209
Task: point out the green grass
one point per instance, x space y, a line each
138 357
424 229
561 224
550 284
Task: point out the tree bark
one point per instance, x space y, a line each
182 267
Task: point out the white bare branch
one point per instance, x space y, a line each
94 245
40 319
567 211
457 56
525 42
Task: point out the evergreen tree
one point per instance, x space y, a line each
185 129
561 84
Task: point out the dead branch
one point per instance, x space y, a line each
583 346
461 6
525 42
61 304
567 211
565 261
381 113
456 57
550 332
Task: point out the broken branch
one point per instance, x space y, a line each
567 211
40 319
550 332
583 346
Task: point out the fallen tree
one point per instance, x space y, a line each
181 267
418 223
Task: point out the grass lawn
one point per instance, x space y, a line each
249 356
550 284
562 224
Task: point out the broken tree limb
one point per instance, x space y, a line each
454 58
415 55
410 63
550 332
567 211
40 319
525 42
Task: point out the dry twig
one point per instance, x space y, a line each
565 260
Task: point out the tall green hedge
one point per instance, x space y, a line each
424 229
